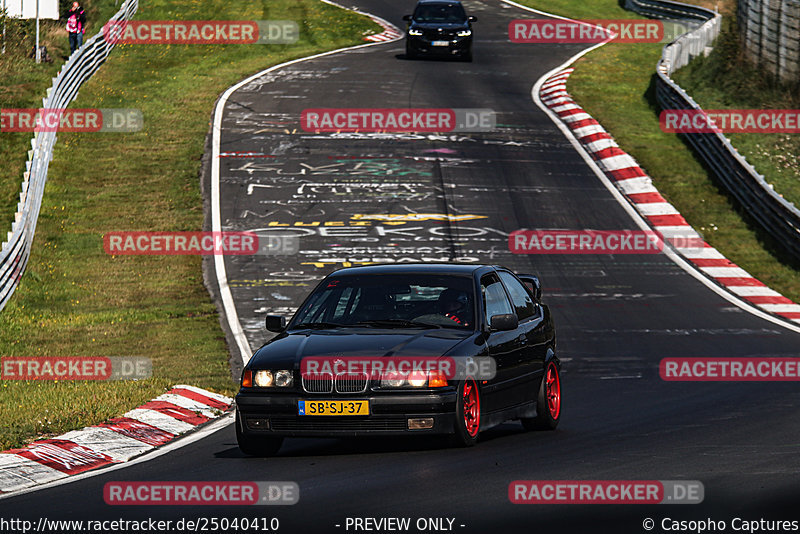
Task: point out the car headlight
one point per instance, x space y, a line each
392 380
431 379
464 33
263 379
283 379
414 32
417 380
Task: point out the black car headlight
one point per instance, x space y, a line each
283 379
416 33
267 378
263 379
464 33
431 379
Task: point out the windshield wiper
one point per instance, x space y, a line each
399 323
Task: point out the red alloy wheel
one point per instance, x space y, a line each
553 391
472 407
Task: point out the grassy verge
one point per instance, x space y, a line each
724 80
75 300
615 84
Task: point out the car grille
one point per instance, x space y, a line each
351 383
435 35
318 383
344 383
309 424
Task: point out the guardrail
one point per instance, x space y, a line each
79 67
780 218
665 9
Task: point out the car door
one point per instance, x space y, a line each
503 346
532 336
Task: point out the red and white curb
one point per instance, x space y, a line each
637 186
390 33
141 430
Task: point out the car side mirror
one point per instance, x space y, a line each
407 18
504 321
472 19
533 283
276 323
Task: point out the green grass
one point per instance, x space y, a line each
724 80
75 300
616 85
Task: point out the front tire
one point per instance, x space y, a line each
256 446
468 414
548 404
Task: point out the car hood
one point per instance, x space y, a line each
287 350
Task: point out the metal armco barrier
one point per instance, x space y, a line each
79 68
780 218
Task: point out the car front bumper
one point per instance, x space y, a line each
456 47
265 415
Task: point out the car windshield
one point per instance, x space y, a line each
440 13
390 301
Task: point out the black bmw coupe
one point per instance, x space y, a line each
404 349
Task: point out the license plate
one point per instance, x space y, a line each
333 407
439 43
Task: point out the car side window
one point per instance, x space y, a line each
523 303
348 301
495 301
313 309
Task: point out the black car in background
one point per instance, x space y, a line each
403 312
439 28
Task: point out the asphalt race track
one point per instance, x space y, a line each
616 316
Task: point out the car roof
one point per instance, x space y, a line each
404 268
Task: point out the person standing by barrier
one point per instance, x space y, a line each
76 25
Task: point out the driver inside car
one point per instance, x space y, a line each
453 304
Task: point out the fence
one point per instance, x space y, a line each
770 32
79 67
778 217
